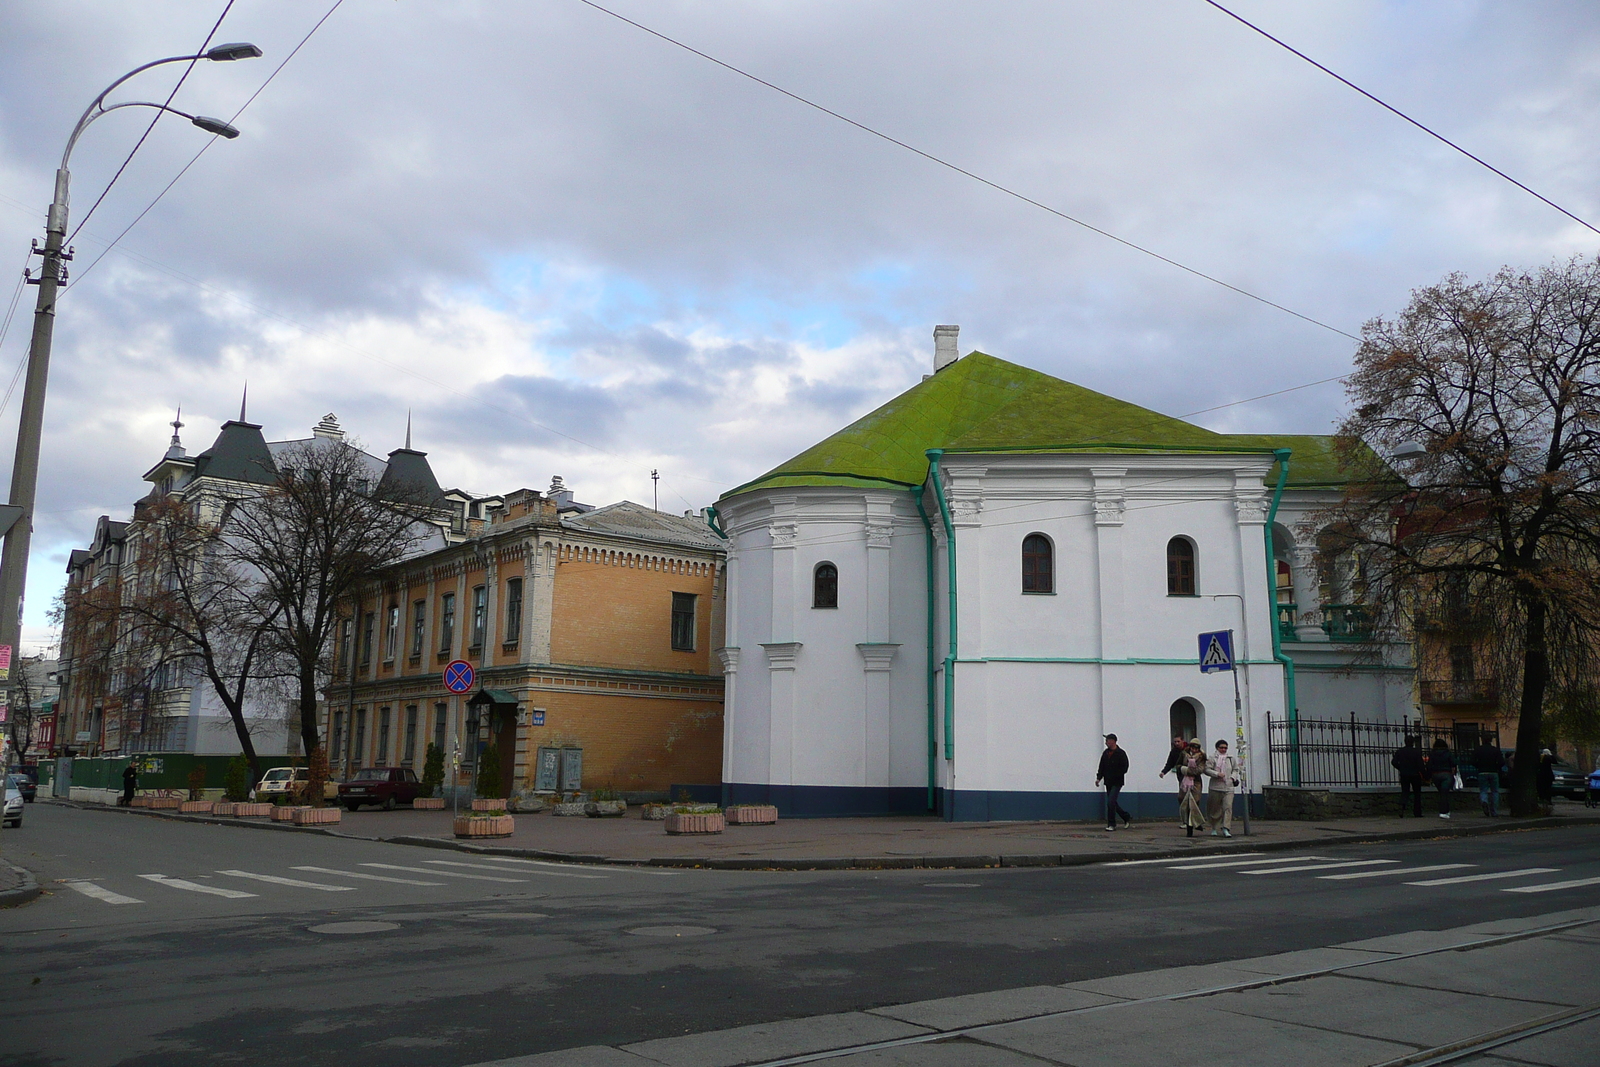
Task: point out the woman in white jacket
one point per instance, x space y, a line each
1223 770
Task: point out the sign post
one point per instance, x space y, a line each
1216 654
458 678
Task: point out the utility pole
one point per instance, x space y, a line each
655 489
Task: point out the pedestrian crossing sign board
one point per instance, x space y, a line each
1216 651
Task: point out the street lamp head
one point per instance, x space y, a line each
239 50
216 126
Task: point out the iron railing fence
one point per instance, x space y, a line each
1351 753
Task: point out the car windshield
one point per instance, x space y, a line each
278 774
372 774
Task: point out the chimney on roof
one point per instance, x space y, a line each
945 351
329 427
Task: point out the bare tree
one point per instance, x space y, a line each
22 717
1495 531
326 525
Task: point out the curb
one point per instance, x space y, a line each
28 890
874 863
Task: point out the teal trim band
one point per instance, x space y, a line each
1291 708
933 700
950 562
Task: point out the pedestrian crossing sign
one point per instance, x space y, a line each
1216 651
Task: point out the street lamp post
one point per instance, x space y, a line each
16 518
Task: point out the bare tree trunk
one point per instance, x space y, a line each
1535 680
310 736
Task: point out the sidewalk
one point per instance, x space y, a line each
1520 991
814 844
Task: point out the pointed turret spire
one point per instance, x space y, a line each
175 448
243 400
408 429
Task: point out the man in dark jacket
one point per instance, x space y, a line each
130 782
1114 772
1491 764
1175 758
1408 761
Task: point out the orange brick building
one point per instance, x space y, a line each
590 631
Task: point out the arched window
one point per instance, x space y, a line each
1184 719
825 586
1180 567
1038 564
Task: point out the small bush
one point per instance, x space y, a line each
236 786
489 785
432 770
197 781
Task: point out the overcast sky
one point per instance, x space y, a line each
571 248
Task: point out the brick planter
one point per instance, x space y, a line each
489 804
752 814
283 813
428 804
164 803
139 802
656 812
316 816
484 825
605 809
695 824
252 811
222 807
574 807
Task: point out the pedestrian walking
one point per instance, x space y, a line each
130 782
1190 774
1175 758
1442 769
1591 798
1114 772
1491 764
1223 771
1545 782
1408 761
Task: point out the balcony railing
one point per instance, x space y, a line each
1459 690
1286 616
1346 622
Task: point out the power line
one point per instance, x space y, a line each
204 147
930 157
148 129
1391 108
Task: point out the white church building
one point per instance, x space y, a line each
946 605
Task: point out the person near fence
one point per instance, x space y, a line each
1114 772
130 782
1491 764
1223 770
1408 761
1191 772
1442 769
1175 760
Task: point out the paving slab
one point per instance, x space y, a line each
1170 980
587 1056
1420 1017
1557 974
1574 1046
1417 941
951 1052
978 1009
1311 959
1188 1033
770 1041
1535 922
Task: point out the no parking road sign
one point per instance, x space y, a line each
1216 651
459 676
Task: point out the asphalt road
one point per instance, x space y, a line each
492 958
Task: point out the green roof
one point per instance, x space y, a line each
984 404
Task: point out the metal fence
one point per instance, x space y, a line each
1350 753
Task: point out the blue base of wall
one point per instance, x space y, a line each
995 805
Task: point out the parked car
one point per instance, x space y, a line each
281 780
25 785
380 785
1570 782
13 809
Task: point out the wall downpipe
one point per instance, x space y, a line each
1291 703
933 670
934 455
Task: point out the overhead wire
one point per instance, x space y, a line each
150 128
1441 138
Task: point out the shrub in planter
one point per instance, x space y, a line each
657 812
526 803
316 816
682 822
605 804
197 781
489 804
236 784
488 784
428 804
751 814
192 806
433 771
485 824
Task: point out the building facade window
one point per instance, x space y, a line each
441 719
391 634
1038 564
368 621
347 648
380 752
1180 567
447 622
480 615
358 736
336 742
825 586
419 616
513 610
408 746
683 621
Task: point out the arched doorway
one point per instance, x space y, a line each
1184 719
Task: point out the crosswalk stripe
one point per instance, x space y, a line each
488 867
195 887
1320 866
1488 877
369 877
586 866
100 893
1169 859
295 882
1548 886
1248 863
1394 871
442 874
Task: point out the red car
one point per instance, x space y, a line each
379 785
